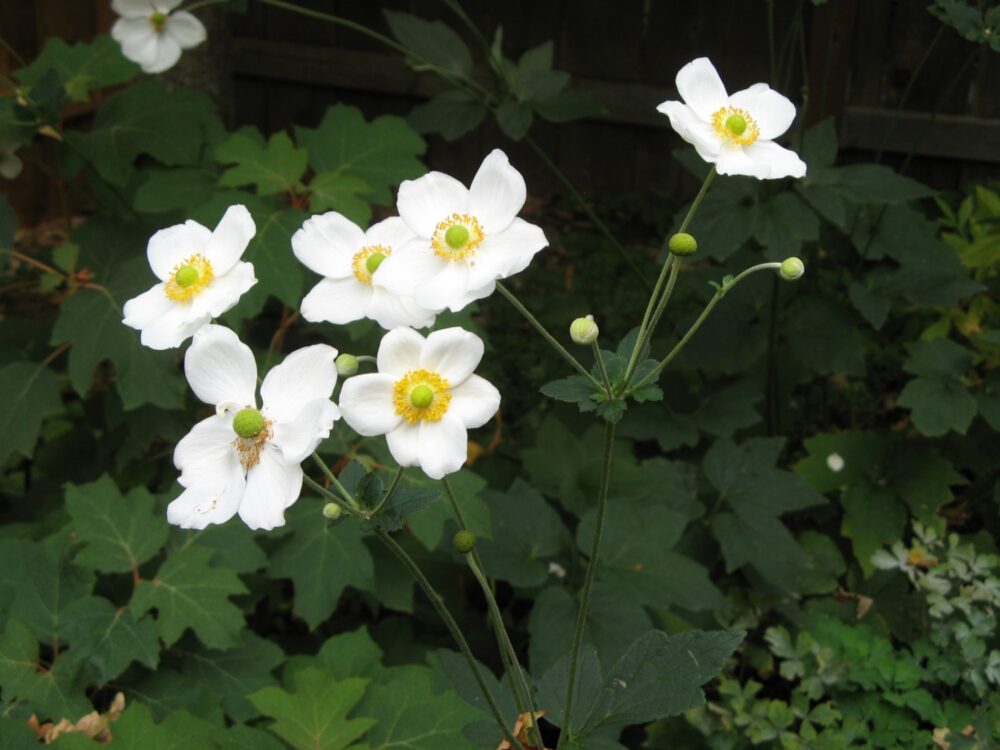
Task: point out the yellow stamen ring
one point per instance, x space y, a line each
364 260
189 278
736 126
457 237
421 395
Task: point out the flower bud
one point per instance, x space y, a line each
347 365
683 243
792 269
463 541
332 511
584 330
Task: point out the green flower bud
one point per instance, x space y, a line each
584 330
683 243
792 269
374 261
421 396
347 365
248 423
456 236
332 511
463 541
186 276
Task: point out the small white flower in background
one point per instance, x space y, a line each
10 163
835 462
423 398
467 238
349 258
243 459
201 276
152 34
736 133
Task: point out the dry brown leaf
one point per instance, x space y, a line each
522 731
95 725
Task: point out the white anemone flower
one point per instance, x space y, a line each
736 133
201 276
423 398
467 238
243 459
152 34
348 257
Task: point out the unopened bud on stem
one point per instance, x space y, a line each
464 541
584 330
332 511
347 365
683 243
792 269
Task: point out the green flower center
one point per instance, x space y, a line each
186 276
735 124
158 20
374 261
421 396
248 423
456 236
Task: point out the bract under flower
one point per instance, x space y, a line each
423 398
243 459
733 132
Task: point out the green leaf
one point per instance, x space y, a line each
404 502
275 168
322 559
432 41
873 517
567 106
83 67
574 389
235 674
109 638
783 223
352 654
343 193
166 190
8 223
382 152
51 692
534 78
189 593
938 399
313 716
869 183
31 394
819 144
824 339
428 526
519 551
872 305
178 731
144 118
410 711
120 533
514 118
451 113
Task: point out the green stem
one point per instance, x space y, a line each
592 215
599 358
389 492
348 497
545 334
719 294
312 483
588 584
669 266
456 632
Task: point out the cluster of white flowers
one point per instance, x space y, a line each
447 248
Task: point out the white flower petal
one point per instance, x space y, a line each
137 39
497 193
172 328
169 247
299 437
428 200
164 6
272 485
443 446
474 401
506 253
781 162
447 288
392 233
403 443
453 353
168 52
133 9
366 403
734 160
773 112
230 239
701 88
408 268
205 455
185 29
149 306
693 129
224 291
337 301
198 507
392 311
305 375
220 368
327 244
399 352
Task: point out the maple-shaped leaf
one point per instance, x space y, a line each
276 167
52 692
109 637
313 716
189 593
